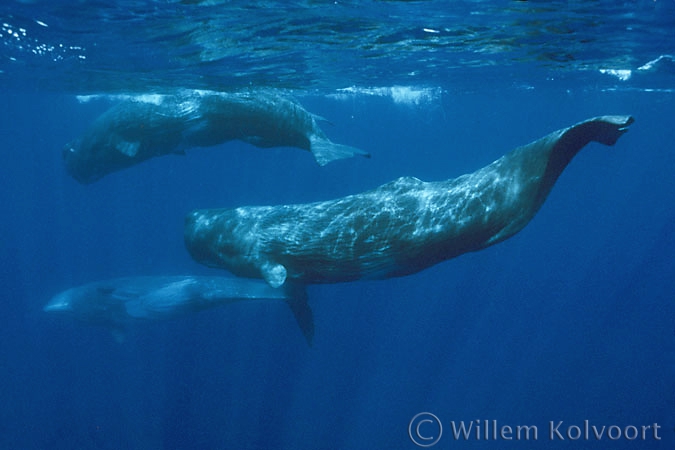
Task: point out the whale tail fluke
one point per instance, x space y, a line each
297 301
564 144
608 129
325 151
603 129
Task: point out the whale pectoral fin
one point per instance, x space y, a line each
128 148
274 274
296 297
297 301
325 151
119 335
135 309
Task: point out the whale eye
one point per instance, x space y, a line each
67 152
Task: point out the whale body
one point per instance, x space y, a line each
396 229
147 126
119 302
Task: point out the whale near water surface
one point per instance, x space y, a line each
147 126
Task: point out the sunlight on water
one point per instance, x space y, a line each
133 46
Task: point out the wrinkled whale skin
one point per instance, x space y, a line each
397 229
144 127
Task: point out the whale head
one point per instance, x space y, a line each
90 304
79 164
61 303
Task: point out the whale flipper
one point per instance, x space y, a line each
119 334
325 151
297 301
274 274
136 309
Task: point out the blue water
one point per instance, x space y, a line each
570 320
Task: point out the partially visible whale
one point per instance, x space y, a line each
396 229
119 302
144 127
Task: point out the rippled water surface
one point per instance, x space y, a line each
87 46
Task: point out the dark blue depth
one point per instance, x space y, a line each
570 320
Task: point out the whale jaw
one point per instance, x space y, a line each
60 304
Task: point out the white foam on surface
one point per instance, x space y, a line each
621 74
406 95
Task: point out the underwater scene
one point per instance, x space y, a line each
337 224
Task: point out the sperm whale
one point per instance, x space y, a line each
397 229
146 126
120 302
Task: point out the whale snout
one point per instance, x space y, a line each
60 303
69 151
79 165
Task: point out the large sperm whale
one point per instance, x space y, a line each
396 229
146 126
120 302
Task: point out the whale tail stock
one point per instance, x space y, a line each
325 151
